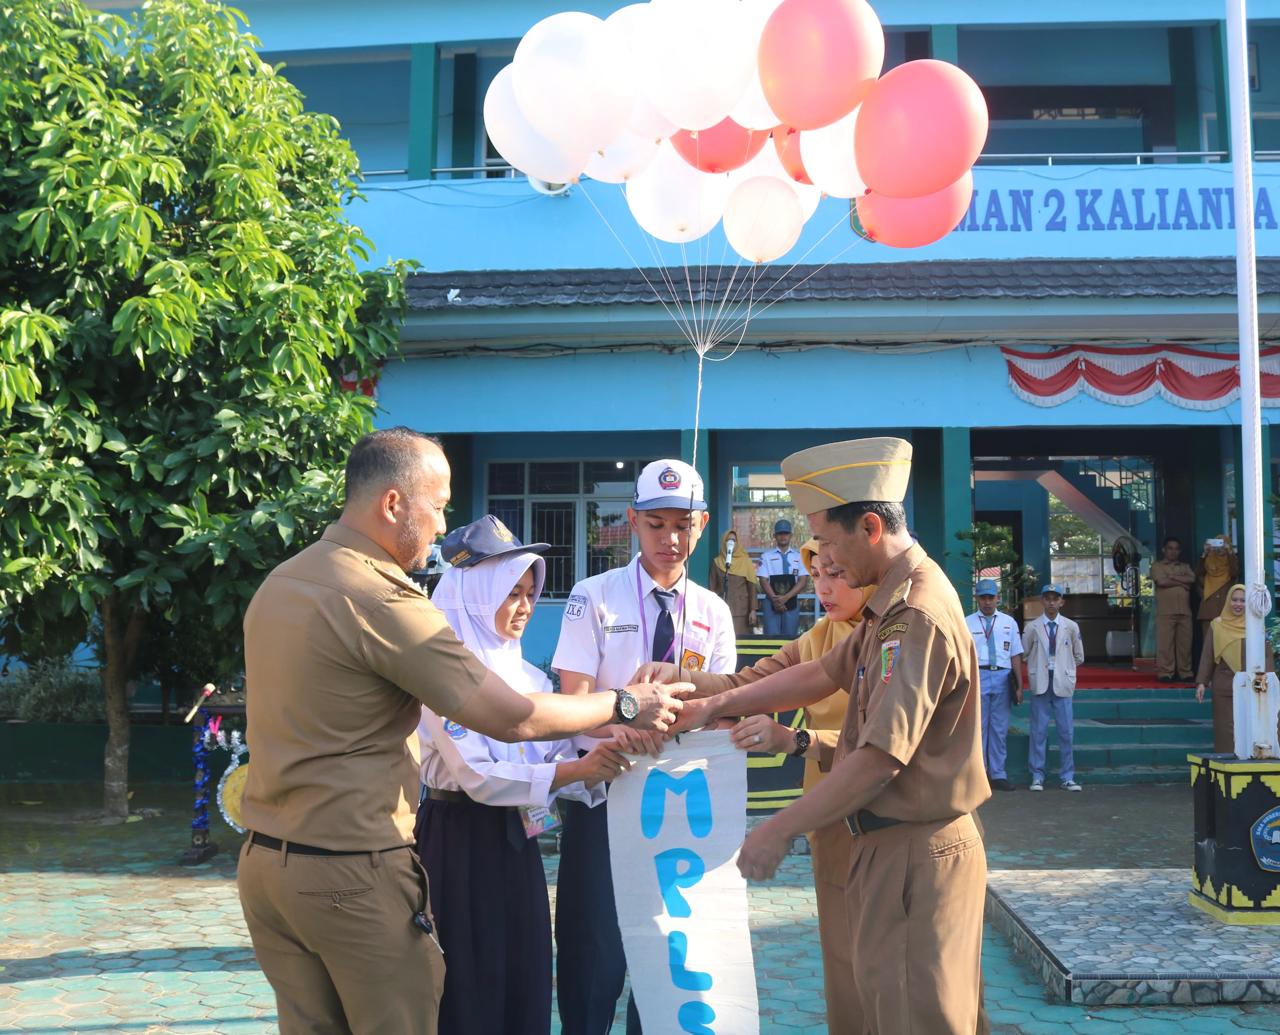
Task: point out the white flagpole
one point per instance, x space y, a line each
1258 736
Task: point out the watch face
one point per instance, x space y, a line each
628 706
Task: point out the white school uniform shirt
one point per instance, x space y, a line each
1068 653
1008 643
603 631
491 772
775 562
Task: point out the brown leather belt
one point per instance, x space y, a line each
435 794
866 822
295 848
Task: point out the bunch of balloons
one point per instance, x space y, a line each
742 110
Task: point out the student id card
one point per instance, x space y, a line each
538 819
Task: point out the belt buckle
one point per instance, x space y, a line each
855 828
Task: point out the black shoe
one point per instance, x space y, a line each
1002 785
1166 679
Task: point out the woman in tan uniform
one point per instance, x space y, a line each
830 845
1217 570
1221 658
733 577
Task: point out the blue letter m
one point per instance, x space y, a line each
653 801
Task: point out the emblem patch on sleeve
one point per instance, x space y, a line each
889 630
455 731
575 607
889 658
692 661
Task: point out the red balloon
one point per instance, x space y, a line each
921 126
722 148
786 140
913 222
818 59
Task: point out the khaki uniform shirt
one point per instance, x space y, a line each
341 652
912 670
1173 600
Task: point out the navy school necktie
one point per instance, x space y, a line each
664 633
1053 637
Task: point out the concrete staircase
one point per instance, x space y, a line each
1122 736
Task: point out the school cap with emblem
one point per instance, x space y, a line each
669 484
1045 591
987 588
482 539
858 470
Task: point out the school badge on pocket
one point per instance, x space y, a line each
889 658
692 661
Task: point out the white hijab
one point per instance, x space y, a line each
470 598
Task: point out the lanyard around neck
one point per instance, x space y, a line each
644 619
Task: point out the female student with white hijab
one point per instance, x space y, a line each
485 802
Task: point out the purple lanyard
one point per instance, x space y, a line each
644 621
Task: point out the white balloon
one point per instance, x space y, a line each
697 61
673 201
632 23
571 82
522 145
767 163
752 109
762 219
829 160
623 158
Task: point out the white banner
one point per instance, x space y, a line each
675 826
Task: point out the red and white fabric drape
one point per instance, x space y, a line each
1197 379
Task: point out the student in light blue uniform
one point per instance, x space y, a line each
996 636
783 578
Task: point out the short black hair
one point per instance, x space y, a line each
1170 539
891 515
384 458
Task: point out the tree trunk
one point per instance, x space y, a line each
121 633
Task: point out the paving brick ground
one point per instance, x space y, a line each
102 932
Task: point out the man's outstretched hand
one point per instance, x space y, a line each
761 853
660 705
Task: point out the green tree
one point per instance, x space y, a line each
1069 534
991 546
179 291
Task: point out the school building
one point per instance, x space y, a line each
1069 350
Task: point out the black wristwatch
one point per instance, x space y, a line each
625 706
803 740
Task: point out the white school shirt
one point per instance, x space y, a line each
1005 633
774 562
603 632
491 772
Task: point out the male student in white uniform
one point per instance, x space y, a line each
1054 649
613 623
996 636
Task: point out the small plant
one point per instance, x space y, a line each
52 690
991 546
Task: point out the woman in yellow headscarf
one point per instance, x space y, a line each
1220 660
733 577
1217 570
816 741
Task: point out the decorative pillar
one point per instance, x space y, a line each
424 76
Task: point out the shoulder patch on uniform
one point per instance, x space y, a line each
575 607
889 658
889 630
455 730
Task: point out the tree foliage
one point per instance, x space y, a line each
179 289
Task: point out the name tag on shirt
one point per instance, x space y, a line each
538 819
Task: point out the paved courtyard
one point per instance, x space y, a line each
103 932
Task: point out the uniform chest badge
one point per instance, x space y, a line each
455 730
692 661
889 652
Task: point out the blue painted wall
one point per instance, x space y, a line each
1102 56
1032 501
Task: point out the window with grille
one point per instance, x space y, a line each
579 507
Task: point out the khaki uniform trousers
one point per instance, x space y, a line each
1173 645
334 936
915 900
829 849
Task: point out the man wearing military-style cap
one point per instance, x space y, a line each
907 773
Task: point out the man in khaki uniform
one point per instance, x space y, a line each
907 772
342 650
1173 578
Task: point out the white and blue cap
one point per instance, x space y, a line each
482 539
988 588
669 485
1044 592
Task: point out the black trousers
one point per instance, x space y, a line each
492 914
590 964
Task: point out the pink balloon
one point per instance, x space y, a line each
921 126
786 139
913 222
720 149
818 59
